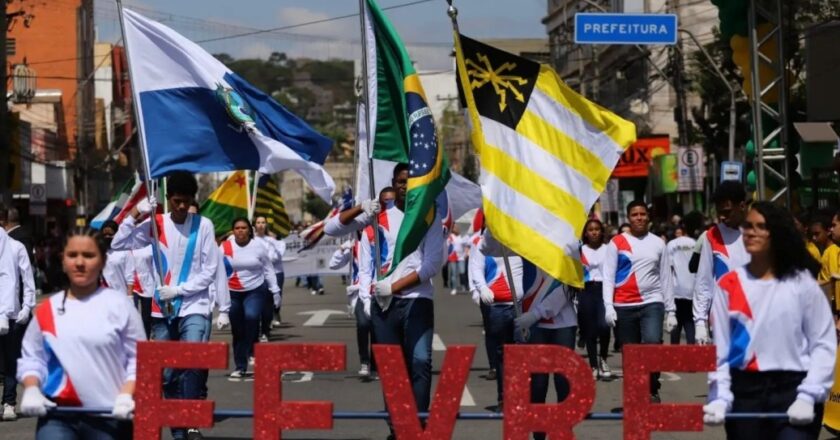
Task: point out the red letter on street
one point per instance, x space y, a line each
272 415
399 395
153 412
556 420
641 417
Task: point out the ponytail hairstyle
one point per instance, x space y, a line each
97 237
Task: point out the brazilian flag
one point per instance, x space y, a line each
403 128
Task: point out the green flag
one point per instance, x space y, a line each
402 128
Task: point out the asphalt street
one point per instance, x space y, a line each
323 318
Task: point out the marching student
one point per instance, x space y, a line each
830 264
637 286
680 250
722 251
250 275
409 318
81 350
819 234
187 247
594 330
118 273
458 247
548 317
490 283
15 273
276 249
353 219
774 333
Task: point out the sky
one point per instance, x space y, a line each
424 27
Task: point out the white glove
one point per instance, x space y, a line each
147 206
123 407
4 325
670 322
801 412
366 307
347 245
610 316
476 297
714 413
525 321
23 315
277 298
222 321
701 333
371 207
352 290
167 293
33 403
383 288
486 295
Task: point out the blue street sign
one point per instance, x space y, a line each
601 28
731 171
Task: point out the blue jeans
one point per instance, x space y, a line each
539 382
81 427
409 323
498 331
314 282
245 312
642 325
182 384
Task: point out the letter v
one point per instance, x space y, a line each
399 396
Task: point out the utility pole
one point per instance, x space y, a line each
5 148
677 67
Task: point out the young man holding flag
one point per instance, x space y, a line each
403 312
186 249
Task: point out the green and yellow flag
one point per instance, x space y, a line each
227 202
270 204
402 128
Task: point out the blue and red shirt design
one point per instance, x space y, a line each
741 356
57 386
626 287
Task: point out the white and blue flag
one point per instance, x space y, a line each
197 115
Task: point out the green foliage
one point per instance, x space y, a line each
315 206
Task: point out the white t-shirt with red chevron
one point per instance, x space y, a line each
637 271
82 352
248 267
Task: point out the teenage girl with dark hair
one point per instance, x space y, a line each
774 333
594 330
81 350
250 274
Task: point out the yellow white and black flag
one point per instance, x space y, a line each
546 154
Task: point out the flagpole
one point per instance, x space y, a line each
144 155
452 11
248 194
374 220
253 200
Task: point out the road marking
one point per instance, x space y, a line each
305 376
437 343
319 317
466 397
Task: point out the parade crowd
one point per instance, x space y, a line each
758 284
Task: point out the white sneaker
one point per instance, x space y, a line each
313 292
453 292
605 370
595 373
275 324
251 361
364 370
263 338
236 376
9 413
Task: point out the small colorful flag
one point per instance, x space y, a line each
270 204
121 204
227 202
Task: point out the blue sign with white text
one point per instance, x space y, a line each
602 28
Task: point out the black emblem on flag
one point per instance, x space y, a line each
501 82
